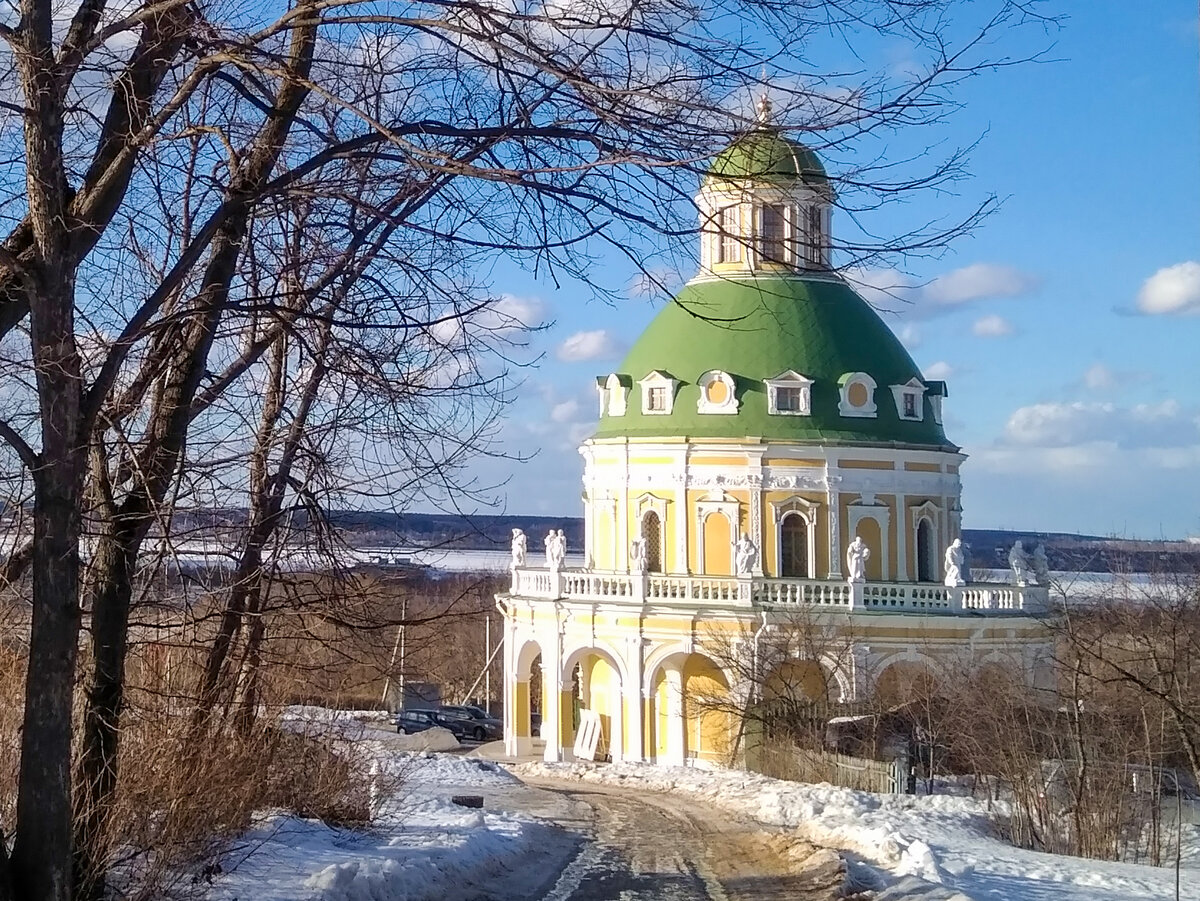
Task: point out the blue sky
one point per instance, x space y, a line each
1067 325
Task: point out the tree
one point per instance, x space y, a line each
158 141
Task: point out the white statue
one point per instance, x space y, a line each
556 550
520 546
746 556
954 565
1041 566
637 556
1019 563
857 556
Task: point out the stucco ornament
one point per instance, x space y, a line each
1041 566
857 556
747 556
954 565
520 547
1018 562
637 556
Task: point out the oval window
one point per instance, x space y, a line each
857 395
717 392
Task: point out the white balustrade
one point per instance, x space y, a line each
901 597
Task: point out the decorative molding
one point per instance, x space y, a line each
848 381
914 389
789 379
729 405
656 379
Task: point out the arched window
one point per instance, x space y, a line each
729 250
793 535
926 553
652 533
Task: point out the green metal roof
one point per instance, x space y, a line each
755 329
765 155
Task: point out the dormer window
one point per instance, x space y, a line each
658 393
789 394
857 391
910 400
936 391
717 393
613 392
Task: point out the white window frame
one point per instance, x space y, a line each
730 239
869 410
789 379
915 389
658 379
729 405
785 243
728 506
807 510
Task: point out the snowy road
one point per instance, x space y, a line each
642 846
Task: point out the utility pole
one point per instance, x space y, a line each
487 654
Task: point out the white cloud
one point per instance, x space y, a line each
979 281
504 315
594 345
567 411
909 335
1173 290
941 370
992 327
1064 425
1099 377
889 289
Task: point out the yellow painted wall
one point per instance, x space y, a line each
922 467
708 725
868 530
866 464
603 541
521 708
604 697
718 536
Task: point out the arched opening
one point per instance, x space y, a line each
926 552
868 530
793 547
796 701
593 684
689 712
718 544
905 682
524 720
652 534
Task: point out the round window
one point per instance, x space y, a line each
857 394
717 392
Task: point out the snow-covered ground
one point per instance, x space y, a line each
422 846
939 848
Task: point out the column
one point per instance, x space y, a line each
510 682
552 698
902 538
631 699
676 719
832 501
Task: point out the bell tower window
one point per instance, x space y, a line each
814 250
772 234
729 249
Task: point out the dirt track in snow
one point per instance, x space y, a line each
644 846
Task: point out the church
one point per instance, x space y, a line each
766 453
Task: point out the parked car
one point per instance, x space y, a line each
410 721
478 723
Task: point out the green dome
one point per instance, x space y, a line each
765 155
755 329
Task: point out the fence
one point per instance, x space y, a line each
859 773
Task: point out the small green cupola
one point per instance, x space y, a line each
765 205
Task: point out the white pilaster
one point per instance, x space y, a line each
631 698
676 721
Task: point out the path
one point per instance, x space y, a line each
642 846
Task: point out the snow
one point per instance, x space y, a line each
934 848
420 845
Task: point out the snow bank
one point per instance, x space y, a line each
939 848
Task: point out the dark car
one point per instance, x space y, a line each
410 721
477 722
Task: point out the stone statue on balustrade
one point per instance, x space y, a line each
637 556
556 550
954 565
1018 562
520 547
746 556
857 556
1041 566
